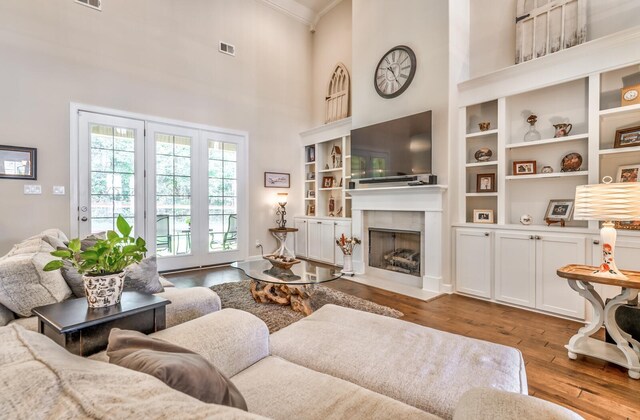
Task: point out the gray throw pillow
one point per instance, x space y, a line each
73 279
143 277
179 368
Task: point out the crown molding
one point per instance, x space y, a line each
293 9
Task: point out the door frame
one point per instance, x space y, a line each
74 137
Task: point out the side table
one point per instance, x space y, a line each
84 331
281 236
626 351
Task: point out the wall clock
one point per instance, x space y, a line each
395 71
631 95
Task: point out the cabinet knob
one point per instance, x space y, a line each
596 242
335 223
531 237
319 223
538 237
486 234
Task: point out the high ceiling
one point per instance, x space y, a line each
307 11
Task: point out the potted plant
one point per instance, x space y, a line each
102 265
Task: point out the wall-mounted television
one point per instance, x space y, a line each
396 148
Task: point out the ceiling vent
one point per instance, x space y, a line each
94 4
227 48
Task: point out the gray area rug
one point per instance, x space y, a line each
237 295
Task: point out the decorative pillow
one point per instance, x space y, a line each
91 240
56 233
30 246
179 368
54 241
24 285
143 277
73 279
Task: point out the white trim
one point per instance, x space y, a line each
333 130
293 9
323 12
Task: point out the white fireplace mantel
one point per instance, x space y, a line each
427 199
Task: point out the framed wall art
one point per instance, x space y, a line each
524 167
486 183
559 210
276 180
482 216
628 173
18 162
327 181
627 137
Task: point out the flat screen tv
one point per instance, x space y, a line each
400 147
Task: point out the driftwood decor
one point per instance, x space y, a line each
338 92
546 26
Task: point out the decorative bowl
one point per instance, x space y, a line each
571 162
281 261
483 155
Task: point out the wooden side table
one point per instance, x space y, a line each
626 352
281 236
84 331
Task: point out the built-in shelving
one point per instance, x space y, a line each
482 133
480 164
330 170
490 194
622 110
554 140
619 151
548 175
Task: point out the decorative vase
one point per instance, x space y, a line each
532 134
103 291
347 266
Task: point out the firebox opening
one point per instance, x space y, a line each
395 250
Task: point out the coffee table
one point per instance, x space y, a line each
292 287
84 331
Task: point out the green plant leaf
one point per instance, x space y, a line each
53 265
62 253
74 245
140 242
112 235
123 226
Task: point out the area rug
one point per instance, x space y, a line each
236 295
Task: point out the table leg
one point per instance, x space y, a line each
588 292
282 249
622 339
297 296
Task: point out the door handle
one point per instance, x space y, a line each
84 218
596 242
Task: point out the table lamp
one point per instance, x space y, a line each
282 202
608 202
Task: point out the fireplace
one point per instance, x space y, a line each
395 250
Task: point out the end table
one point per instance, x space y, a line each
626 352
281 235
84 331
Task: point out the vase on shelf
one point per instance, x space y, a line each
532 134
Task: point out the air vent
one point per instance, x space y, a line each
227 48
94 4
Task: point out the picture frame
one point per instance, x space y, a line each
627 137
525 167
482 216
327 181
311 209
18 162
311 154
559 210
628 225
277 180
311 194
628 173
311 176
486 183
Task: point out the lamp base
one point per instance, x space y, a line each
608 268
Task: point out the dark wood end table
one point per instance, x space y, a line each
84 331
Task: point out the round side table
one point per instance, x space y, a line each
281 236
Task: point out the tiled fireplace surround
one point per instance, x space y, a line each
417 208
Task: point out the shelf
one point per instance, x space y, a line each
491 194
476 164
482 133
551 175
347 177
539 228
619 150
348 197
620 110
330 189
310 163
310 180
330 170
548 141
310 199
347 156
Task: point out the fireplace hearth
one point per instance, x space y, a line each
395 250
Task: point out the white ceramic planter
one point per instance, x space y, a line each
103 291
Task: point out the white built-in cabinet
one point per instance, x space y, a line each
300 242
316 238
474 267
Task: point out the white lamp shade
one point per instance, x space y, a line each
282 199
614 201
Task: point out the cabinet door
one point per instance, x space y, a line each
327 244
342 227
515 268
553 293
473 262
300 247
314 239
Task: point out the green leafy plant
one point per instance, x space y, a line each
108 256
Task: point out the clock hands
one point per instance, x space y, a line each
394 74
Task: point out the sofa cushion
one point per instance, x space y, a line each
166 283
490 404
40 379
190 303
423 367
279 389
31 246
24 285
6 315
181 369
54 232
30 323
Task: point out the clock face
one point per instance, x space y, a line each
395 72
630 95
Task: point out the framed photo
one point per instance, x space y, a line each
18 162
311 154
311 210
311 194
628 225
482 216
559 210
486 183
311 176
524 167
327 181
627 137
628 173
276 180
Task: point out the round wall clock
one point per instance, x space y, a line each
395 71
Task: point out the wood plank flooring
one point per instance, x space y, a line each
593 388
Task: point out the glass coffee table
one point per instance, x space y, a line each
292 286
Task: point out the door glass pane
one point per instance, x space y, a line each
173 195
223 219
112 175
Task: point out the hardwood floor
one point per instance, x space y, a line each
593 388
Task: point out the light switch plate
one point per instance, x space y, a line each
32 189
58 190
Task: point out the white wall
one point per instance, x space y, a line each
331 45
492 39
156 57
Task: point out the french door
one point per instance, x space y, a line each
181 187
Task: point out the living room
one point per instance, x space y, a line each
209 126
